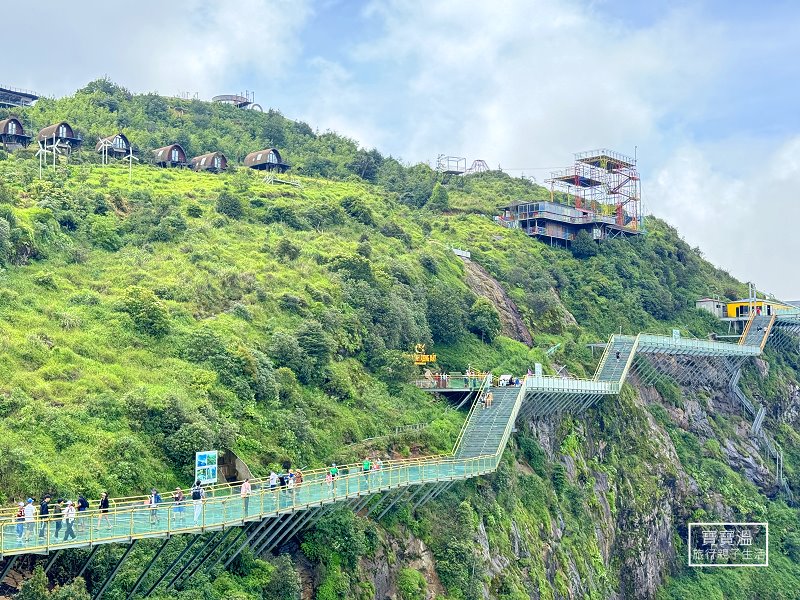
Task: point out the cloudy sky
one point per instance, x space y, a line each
706 93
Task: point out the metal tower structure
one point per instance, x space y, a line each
603 182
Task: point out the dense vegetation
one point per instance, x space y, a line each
142 320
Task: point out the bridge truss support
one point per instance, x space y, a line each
173 564
199 552
147 569
115 570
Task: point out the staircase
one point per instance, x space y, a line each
757 331
758 421
618 355
484 431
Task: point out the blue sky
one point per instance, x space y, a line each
707 91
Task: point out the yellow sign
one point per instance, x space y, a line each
419 356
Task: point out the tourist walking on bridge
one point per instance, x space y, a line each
178 500
44 514
57 515
69 521
30 513
244 492
20 519
83 506
198 493
104 506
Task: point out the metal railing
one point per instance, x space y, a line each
135 521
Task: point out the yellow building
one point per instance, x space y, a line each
740 309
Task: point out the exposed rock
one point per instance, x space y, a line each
763 367
483 284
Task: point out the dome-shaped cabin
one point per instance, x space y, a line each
12 134
266 160
60 134
213 162
170 156
117 146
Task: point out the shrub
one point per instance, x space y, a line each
104 233
149 314
484 320
584 245
286 249
229 205
45 279
439 200
194 211
358 210
411 585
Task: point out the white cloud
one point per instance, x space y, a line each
746 221
154 45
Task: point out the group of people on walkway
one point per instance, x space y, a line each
65 520
62 513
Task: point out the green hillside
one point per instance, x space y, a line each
144 319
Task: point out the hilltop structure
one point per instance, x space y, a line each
600 193
11 96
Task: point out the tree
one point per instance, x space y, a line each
484 320
439 200
445 314
584 246
35 588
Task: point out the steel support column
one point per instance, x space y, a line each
144 573
294 528
88 560
246 530
392 503
266 525
114 572
168 570
279 522
202 549
258 547
8 566
197 567
50 560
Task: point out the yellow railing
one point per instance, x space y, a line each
604 357
475 402
767 331
746 329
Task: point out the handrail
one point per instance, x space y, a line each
126 523
624 375
470 413
767 331
746 329
604 357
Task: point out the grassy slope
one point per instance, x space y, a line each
90 401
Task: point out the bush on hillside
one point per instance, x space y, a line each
229 205
484 320
148 313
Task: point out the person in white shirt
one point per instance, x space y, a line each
69 520
30 513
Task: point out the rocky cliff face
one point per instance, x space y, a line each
589 506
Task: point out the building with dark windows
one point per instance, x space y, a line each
12 134
266 160
170 156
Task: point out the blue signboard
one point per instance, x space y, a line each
205 466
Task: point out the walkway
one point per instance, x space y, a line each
478 450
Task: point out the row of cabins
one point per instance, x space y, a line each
12 136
